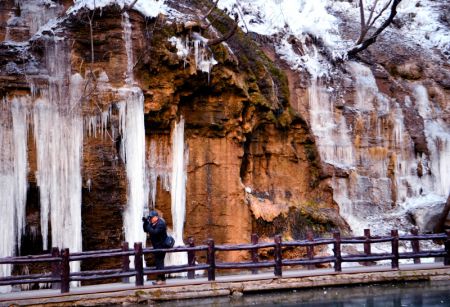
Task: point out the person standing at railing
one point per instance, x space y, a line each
157 228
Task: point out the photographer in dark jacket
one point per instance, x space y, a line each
156 227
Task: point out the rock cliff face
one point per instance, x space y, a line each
258 155
252 164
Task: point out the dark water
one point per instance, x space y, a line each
386 295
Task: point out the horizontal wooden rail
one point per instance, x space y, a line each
316 242
308 261
81 256
60 276
32 256
243 246
100 277
423 254
28 281
12 260
176 249
437 236
104 251
95 272
363 258
371 240
176 269
245 265
29 276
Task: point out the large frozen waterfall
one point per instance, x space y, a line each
166 161
132 130
383 179
13 177
178 191
58 132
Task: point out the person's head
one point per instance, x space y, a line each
153 216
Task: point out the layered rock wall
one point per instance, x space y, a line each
252 159
270 149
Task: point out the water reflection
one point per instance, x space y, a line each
410 294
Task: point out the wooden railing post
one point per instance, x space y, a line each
211 257
254 252
65 270
395 254
138 264
278 271
337 252
367 247
56 269
415 244
191 258
310 249
447 249
125 262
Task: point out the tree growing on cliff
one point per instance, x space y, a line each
368 33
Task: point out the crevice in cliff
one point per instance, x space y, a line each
245 161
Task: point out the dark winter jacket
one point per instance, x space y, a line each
158 232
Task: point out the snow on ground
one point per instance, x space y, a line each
423 23
292 17
284 19
149 8
420 20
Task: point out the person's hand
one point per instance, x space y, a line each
144 219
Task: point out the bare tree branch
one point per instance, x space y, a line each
129 7
210 11
379 15
223 38
362 21
372 10
238 5
366 25
91 32
372 39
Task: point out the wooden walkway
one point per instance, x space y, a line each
183 288
277 273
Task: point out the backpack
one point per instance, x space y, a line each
169 242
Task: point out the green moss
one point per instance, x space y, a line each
311 204
285 119
310 152
309 218
220 53
259 69
259 100
314 170
271 117
281 81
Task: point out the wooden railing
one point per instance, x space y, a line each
60 276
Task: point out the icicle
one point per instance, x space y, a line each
201 60
178 191
127 31
58 133
20 129
97 124
158 165
438 142
13 178
89 184
132 130
330 128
